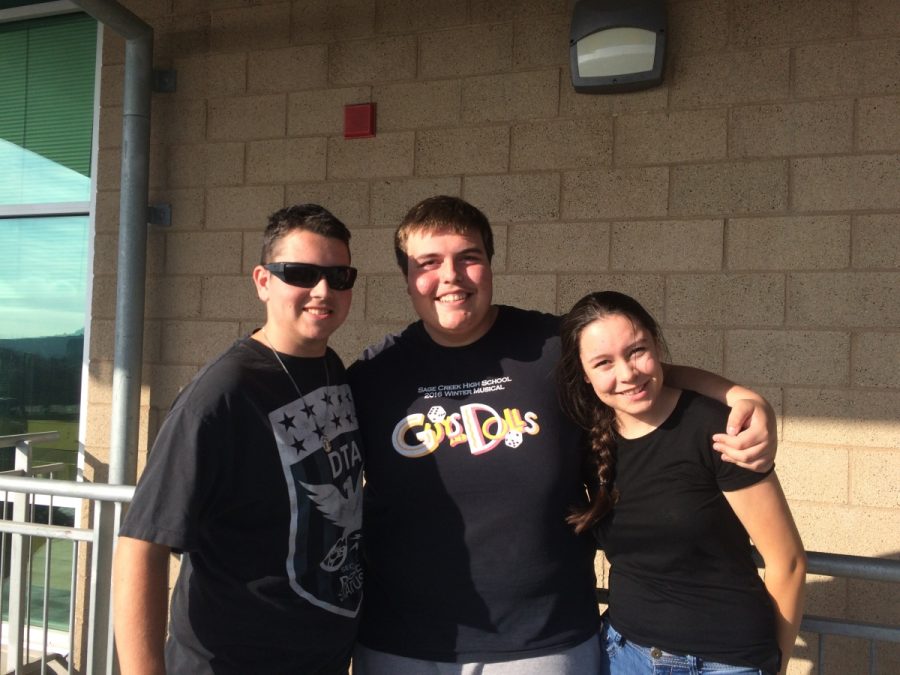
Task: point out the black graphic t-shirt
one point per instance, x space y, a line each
471 469
241 479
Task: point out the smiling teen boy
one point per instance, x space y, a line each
255 477
471 471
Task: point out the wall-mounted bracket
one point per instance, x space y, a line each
165 81
160 214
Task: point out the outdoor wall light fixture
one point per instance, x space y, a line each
617 45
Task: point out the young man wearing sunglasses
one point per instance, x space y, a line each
471 470
256 478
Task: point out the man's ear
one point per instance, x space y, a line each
261 278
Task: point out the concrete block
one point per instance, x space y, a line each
697 348
172 297
287 69
391 199
807 128
377 60
878 122
501 246
814 473
847 529
543 41
330 20
231 297
220 74
546 145
321 112
352 338
387 300
715 80
106 214
110 129
485 11
238 208
510 96
203 252
247 118
167 381
205 164
97 427
668 138
374 249
725 299
348 200
697 27
112 85
852 417
471 50
177 121
388 154
576 247
243 28
529 291
818 358
648 289
462 151
844 300
286 160
105 254
689 245
412 16
187 207
103 298
100 376
756 24
875 359
848 68
878 17
196 342
182 35
876 241
873 478
615 193
417 105
730 188
795 243
515 197
574 104
859 183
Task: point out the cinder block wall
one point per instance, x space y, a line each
752 203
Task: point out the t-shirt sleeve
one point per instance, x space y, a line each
176 488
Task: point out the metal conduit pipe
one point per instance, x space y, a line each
132 251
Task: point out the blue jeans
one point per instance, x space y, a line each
623 657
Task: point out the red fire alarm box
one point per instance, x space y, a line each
359 120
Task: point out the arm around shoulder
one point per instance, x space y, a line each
764 512
752 436
140 605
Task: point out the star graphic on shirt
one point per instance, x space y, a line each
326 398
287 421
298 445
336 421
308 409
349 418
320 432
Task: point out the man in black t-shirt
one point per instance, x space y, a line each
256 477
471 470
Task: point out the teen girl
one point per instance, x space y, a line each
671 516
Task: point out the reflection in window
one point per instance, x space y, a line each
43 282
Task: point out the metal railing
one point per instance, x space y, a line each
106 502
21 535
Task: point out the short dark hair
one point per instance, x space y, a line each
306 217
579 401
442 213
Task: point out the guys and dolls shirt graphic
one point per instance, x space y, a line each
471 470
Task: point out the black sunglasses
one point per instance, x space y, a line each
307 275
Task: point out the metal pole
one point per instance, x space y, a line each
132 254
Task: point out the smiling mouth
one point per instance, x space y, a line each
453 297
633 392
317 311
